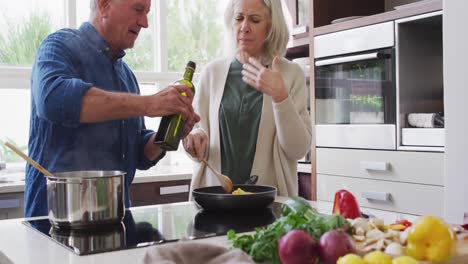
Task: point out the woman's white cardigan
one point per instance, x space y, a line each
284 133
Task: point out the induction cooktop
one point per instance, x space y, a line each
150 225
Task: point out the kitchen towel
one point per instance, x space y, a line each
193 252
426 120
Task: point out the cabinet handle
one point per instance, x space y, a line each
375 165
299 30
377 196
174 189
352 58
9 204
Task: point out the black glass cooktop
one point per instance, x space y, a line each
144 226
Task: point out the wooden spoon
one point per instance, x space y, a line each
226 183
28 159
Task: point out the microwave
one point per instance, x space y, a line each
355 88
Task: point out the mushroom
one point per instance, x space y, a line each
376 223
378 245
360 224
404 236
375 234
394 249
359 238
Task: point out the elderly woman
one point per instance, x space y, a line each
252 104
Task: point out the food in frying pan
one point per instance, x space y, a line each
239 191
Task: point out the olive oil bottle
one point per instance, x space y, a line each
171 127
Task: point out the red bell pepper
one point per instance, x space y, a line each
346 205
400 225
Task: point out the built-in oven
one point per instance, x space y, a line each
355 94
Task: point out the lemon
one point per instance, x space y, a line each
404 260
350 259
377 257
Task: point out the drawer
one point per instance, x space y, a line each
150 193
387 216
400 166
400 197
11 205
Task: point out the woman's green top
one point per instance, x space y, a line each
239 118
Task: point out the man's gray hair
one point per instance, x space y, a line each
277 39
92 6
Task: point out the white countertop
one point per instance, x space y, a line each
20 244
13 182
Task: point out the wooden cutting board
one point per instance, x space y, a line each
460 258
462 253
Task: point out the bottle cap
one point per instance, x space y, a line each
192 64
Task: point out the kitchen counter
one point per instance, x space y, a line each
20 244
14 182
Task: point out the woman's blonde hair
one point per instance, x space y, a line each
276 40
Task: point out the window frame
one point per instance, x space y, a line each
19 77
15 77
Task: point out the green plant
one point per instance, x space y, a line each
8 154
140 57
19 43
367 103
369 70
195 32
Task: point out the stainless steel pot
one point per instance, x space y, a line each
84 199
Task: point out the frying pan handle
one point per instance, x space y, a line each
252 180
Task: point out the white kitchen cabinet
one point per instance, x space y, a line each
394 181
420 82
399 197
11 205
456 109
388 216
408 178
397 166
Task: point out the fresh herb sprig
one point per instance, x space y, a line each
296 213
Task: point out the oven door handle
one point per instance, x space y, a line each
352 58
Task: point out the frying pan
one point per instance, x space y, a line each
214 197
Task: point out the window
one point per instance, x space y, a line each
195 31
179 30
14 119
23 25
141 56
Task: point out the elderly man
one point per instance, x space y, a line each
86 111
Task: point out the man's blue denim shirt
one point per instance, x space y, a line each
67 64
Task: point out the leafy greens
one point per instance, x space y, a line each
296 213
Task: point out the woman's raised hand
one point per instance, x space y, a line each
268 81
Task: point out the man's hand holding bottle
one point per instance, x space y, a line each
170 101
